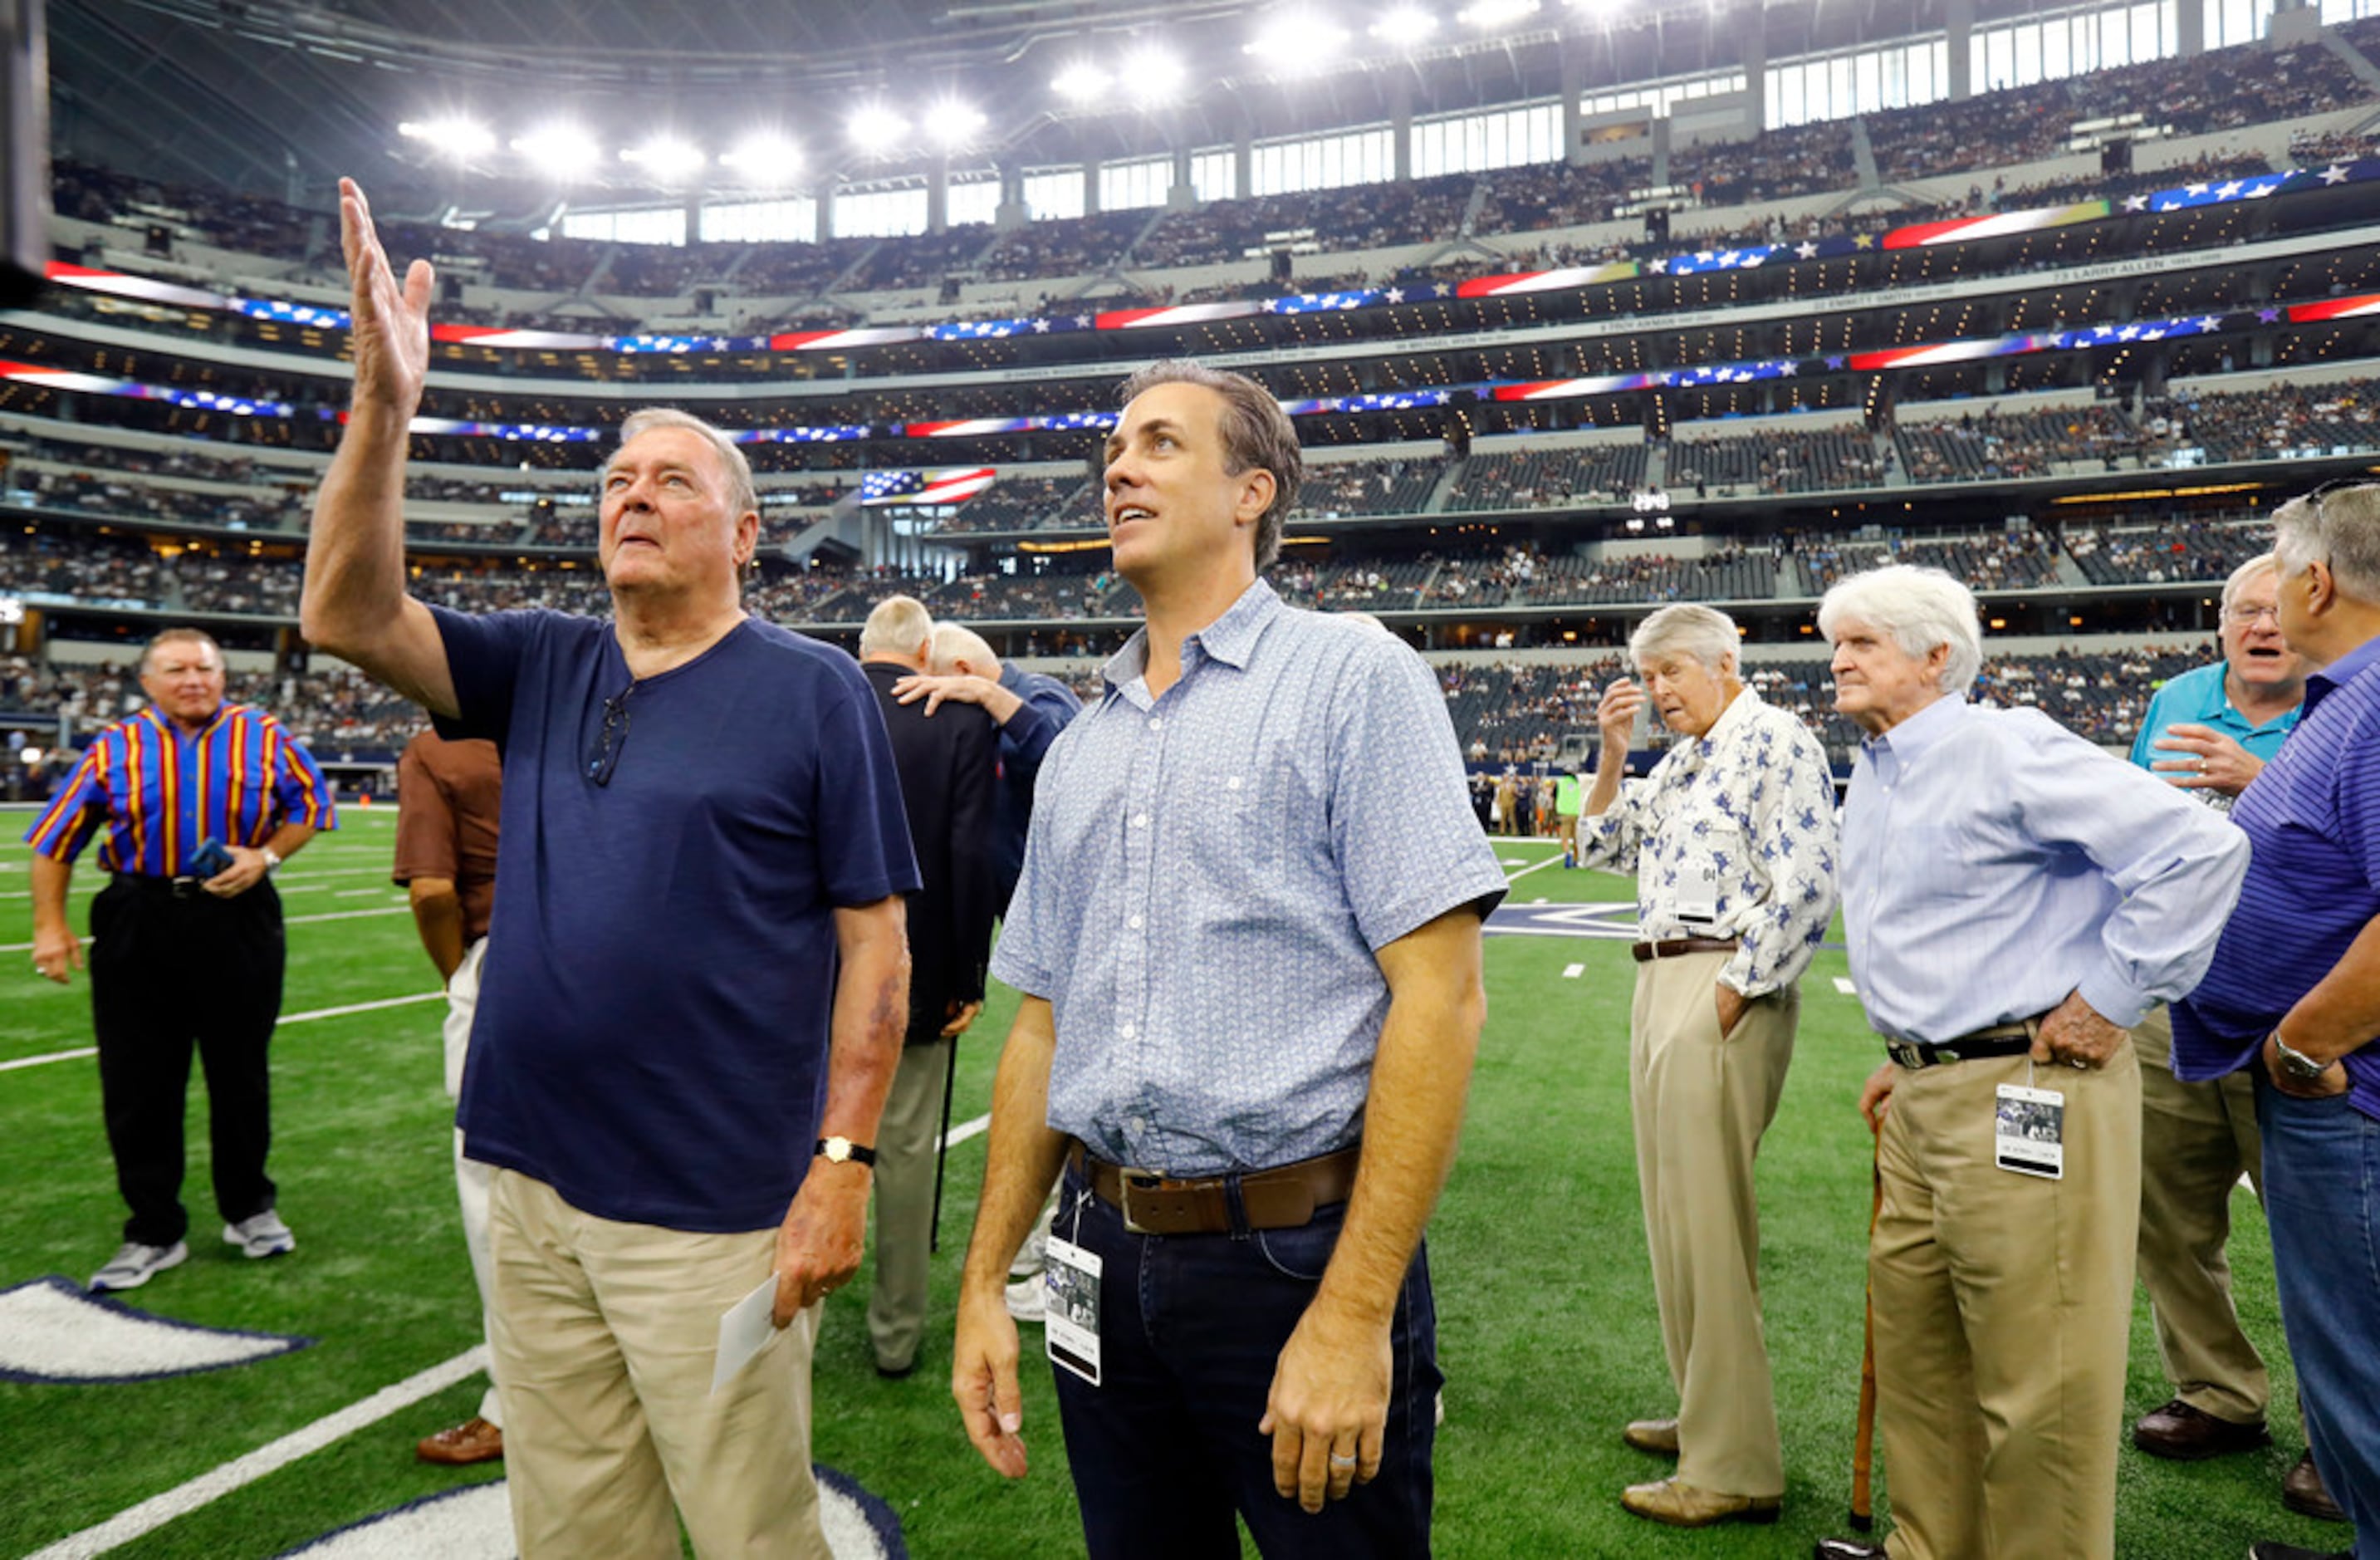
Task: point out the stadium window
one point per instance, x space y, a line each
2148 45
1214 174
2028 55
2114 40
648 226
879 213
761 222
1055 194
1131 185
2056 59
972 201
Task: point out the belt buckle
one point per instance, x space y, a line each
1149 1181
185 887
1908 1056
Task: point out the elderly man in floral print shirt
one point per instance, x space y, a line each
1732 841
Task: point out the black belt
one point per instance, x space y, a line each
1677 946
177 887
1282 1197
2010 1039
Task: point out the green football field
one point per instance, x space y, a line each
1547 1331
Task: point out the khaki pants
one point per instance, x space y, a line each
905 1203
1701 1102
470 1175
604 1336
2003 1307
2196 1141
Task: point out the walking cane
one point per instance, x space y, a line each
1862 1517
942 1150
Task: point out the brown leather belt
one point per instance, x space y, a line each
1281 1197
2010 1039
1647 952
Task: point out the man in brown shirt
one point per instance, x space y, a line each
447 798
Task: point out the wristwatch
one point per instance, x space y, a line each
2296 1063
271 858
843 1151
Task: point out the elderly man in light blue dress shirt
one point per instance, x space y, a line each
2014 900
1248 937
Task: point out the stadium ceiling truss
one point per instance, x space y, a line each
279 97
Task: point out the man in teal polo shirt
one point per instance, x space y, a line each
2210 731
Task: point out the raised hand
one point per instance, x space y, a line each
391 323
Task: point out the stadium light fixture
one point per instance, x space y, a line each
1081 82
558 150
762 157
456 138
1487 14
1152 76
1298 44
666 158
952 124
876 129
1406 27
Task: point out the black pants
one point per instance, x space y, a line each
168 971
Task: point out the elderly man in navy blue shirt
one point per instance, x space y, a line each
2294 993
693 1002
1248 937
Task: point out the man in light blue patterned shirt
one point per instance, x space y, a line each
2014 900
1248 937
1732 841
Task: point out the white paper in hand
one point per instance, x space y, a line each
744 1332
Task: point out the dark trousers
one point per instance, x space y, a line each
167 972
1166 1449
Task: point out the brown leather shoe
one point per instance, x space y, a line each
1680 1505
473 1441
1657 1436
2303 1493
2186 1434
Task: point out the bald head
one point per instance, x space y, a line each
958 649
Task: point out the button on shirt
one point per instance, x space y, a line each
1993 863
2313 820
1750 803
2199 696
1209 874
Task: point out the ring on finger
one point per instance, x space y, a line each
1337 1461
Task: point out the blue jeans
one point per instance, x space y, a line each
2322 1197
1165 1449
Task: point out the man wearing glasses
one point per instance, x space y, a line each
2293 995
697 967
2211 731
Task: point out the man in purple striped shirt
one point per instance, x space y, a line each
183 950
2294 992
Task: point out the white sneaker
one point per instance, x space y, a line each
261 1234
1028 1300
136 1264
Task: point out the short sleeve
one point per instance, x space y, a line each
483 657
301 792
1409 846
862 833
425 822
67 823
1018 958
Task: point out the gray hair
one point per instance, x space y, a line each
2339 526
180 634
741 497
1257 435
900 626
1919 608
1706 633
954 642
2262 562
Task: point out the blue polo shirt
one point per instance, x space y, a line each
2198 696
2312 820
653 1025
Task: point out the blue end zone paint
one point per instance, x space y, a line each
1605 922
284 1343
881 1519
327 1539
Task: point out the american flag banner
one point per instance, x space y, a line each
949 486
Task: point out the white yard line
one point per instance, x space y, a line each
286 1018
53 1057
1553 861
183 1499
286 920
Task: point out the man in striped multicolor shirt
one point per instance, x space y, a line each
179 954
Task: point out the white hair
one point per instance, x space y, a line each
2339 526
741 498
1919 608
954 642
1703 632
900 626
2262 562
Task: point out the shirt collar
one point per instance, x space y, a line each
2342 672
165 725
1229 639
1908 741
